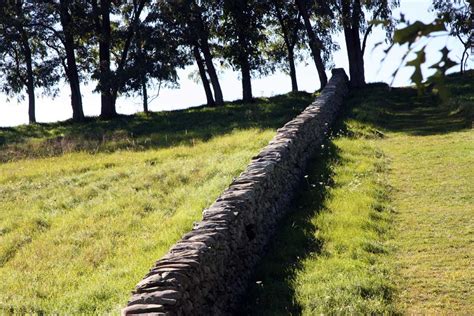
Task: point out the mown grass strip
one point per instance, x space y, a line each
331 254
384 223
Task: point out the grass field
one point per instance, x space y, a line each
85 209
385 223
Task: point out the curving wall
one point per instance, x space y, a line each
206 272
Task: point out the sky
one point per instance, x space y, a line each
191 93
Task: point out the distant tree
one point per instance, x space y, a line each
205 18
64 28
284 22
242 35
192 23
113 49
154 56
307 9
351 16
458 17
24 63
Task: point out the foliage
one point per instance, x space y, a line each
455 16
242 34
458 16
19 33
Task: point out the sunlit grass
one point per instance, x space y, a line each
79 230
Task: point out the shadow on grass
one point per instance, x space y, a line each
272 290
403 110
156 130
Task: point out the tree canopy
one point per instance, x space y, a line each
128 47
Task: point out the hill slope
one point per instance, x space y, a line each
385 222
85 209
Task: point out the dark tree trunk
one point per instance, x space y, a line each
102 21
145 95
352 39
246 80
291 61
71 70
463 58
289 47
30 86
245 68
31 94
204 80
314 43
211 70
107 100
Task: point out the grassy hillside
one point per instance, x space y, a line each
85 209
385 222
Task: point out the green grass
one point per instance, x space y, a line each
142 132
331 254
82 222
385 222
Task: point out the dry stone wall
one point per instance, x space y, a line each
206 272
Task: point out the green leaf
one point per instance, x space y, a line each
417 76
412 32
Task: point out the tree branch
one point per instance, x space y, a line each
369 29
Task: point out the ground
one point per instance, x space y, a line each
85 209
385 223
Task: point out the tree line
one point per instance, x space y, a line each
126 47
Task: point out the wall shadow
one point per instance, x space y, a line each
271 291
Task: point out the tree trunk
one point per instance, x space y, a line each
71 71
314 44
202 73
31 96
352 39
291 61
118 81
145 95
30 86
107 99
289 47
463 65
211 70
246 80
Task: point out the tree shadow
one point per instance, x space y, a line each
404 110
155 130
271 291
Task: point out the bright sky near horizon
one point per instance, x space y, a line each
190 93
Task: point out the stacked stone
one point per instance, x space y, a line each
208 270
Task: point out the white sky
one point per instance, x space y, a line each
192 94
